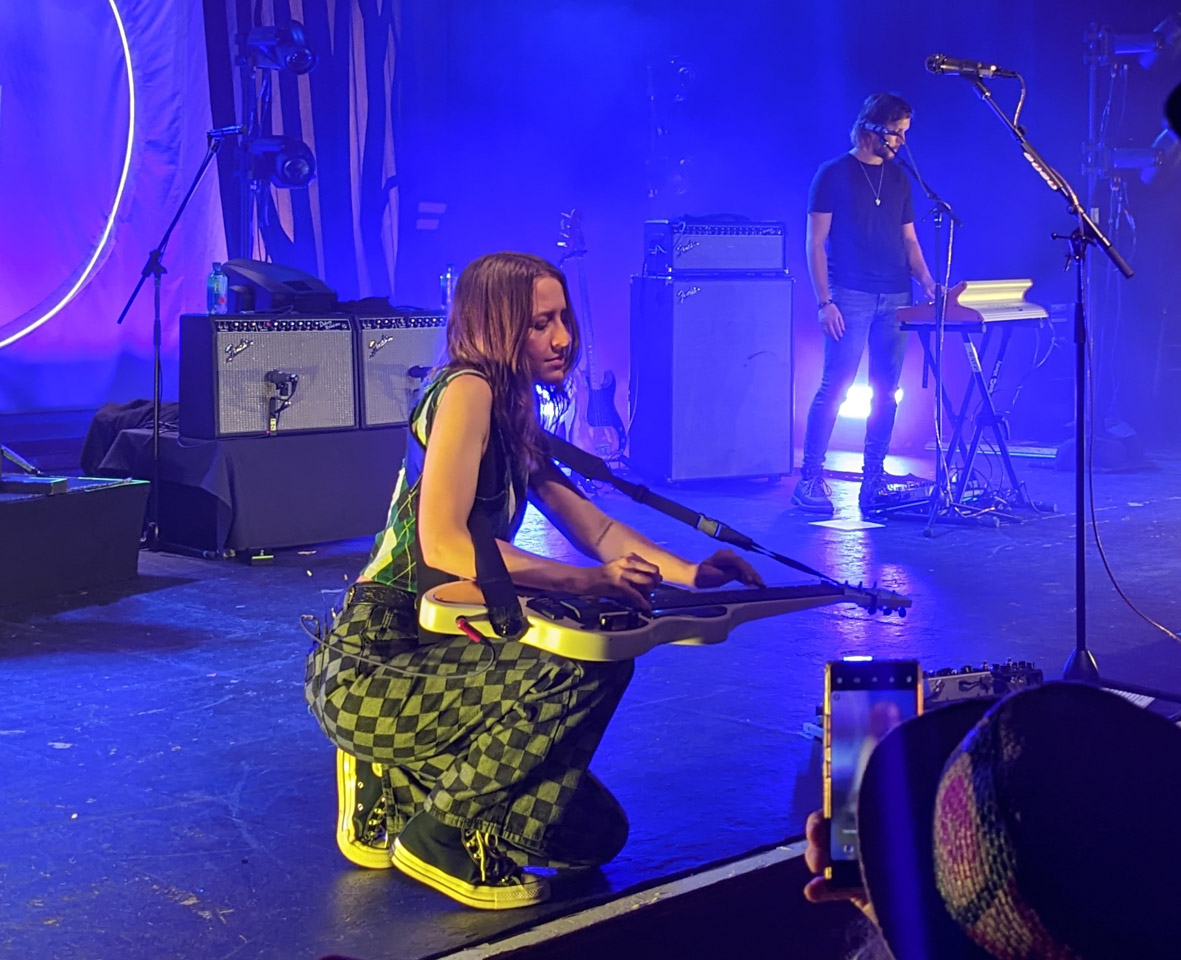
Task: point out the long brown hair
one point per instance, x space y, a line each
487 331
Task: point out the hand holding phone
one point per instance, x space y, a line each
864 699
819 889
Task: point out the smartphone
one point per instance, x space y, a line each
864 699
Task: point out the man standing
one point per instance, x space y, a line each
862 253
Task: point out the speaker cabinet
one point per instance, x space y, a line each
712 377
249 375
396 354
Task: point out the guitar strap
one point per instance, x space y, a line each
492 577
594 468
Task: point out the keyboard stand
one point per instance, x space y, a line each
989 418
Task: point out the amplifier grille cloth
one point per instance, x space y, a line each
389 348
323 361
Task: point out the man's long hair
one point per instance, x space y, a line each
489 324
879 108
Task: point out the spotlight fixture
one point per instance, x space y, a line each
288 163
1148 48
280 48
1161 157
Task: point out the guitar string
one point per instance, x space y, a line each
340 645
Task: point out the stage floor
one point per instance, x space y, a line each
167 795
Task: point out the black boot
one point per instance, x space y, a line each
874 491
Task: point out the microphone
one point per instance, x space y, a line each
218 132
940 64
279 378
883 132
286 385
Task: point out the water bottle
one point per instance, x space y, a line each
216 289
447 285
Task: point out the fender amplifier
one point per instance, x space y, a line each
249 375
712 377
395 356
683 247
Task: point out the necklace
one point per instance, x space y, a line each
877 194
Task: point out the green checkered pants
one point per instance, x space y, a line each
501 745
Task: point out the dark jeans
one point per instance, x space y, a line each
869 318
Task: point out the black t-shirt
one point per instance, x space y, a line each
865 249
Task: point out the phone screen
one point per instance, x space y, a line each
864 701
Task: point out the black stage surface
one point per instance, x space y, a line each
167 795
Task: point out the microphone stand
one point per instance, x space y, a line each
154 268
1080 665
940 504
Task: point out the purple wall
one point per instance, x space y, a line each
63 137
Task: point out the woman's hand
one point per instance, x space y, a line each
724 566
629 578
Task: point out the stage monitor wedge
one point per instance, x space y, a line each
256 286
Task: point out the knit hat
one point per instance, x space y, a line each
1045 825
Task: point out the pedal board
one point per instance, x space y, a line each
36 486
947 685
904 491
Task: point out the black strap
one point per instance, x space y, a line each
492 577
594 468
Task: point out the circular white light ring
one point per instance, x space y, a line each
101 245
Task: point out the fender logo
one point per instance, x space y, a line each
375 345
234 349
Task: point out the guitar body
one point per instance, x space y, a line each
583 628
598 428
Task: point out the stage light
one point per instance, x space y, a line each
1150 162
288 163
1148 48
280 48
857 401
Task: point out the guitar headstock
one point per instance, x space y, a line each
876 599
570 238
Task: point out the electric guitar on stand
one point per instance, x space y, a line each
597 426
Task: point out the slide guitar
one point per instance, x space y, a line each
585 628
